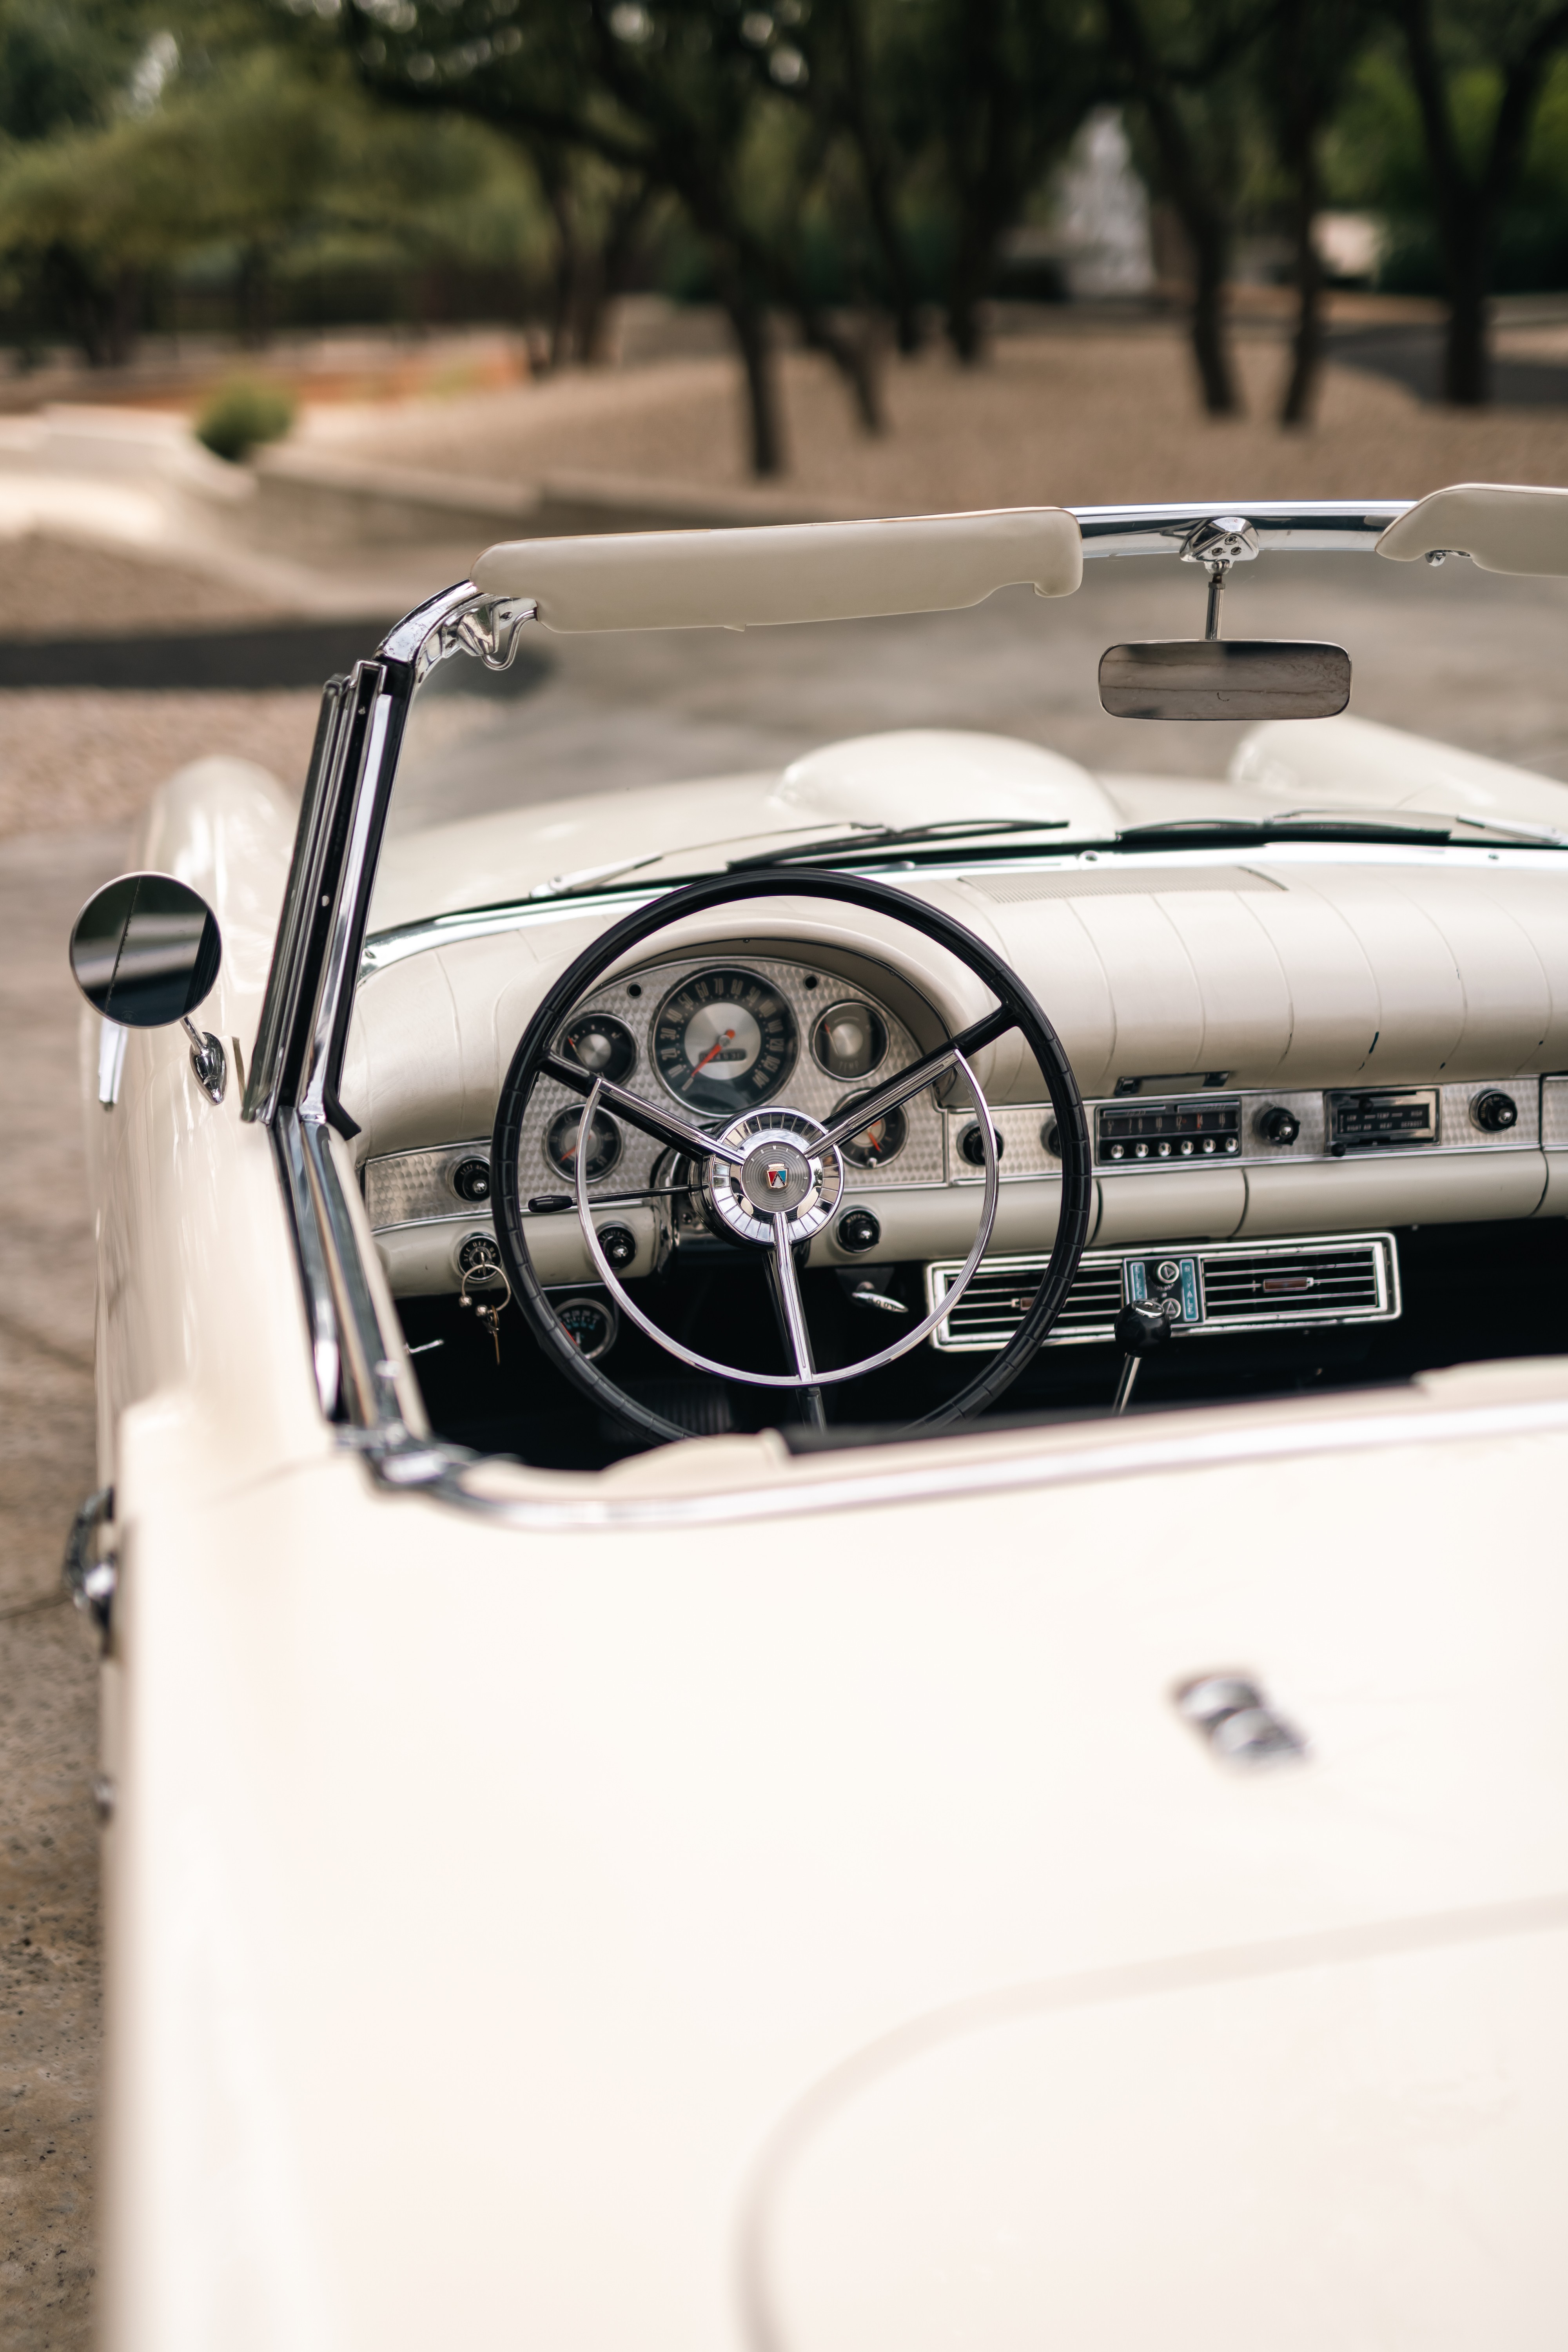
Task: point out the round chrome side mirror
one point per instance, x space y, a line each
145 952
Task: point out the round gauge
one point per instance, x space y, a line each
603 1045
849 1040
877 1144
591 1323
724 1041
603 1144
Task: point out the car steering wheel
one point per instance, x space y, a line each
771 1178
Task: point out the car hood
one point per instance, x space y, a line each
759 1922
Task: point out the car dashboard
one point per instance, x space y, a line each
1307 1084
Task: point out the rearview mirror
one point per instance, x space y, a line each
1225 678
146 950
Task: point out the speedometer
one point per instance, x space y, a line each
724 1040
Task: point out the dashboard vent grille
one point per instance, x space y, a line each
1335 1279
1296 1285
996 1301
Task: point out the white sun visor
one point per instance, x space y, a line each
760 575
1501 526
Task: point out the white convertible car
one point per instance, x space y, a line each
832 1554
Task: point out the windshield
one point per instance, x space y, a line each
900 741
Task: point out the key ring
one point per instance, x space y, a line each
488 1272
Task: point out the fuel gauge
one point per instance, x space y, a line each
602 1045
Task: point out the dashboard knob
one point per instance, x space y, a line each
858 1230
1277 1124
471 1180
1142 1326
972 1146
1494 1112
1051 1137
619 1244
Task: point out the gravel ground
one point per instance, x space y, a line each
85 758
53 588
1075 417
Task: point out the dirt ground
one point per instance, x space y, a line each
71 759
1073 417
49 1831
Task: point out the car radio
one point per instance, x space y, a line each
1176 1132
1385 1119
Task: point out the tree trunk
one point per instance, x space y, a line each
1300 391
1467 362
967 286
1210 350
606 278
876 172
855 354
254 291
750 325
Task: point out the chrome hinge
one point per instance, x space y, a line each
89 1569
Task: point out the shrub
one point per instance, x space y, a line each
242 414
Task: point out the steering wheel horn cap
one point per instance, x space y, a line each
776 1176
782 1173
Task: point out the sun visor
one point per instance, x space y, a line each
1501 526
761 576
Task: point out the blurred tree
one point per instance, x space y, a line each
1185 63
979 98
70 66
1308 54
253 149
704 103
1505 48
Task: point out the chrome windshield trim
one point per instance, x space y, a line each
1300 527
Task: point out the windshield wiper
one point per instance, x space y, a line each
1252 832
889 836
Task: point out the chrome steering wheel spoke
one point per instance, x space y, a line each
919 1074
662 1125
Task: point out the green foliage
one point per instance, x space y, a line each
63 63
242 414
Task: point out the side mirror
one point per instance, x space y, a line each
1246 678
145 952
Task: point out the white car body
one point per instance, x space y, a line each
739 1900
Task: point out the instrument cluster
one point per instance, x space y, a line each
720 1038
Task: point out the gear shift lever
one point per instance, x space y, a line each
1140 1328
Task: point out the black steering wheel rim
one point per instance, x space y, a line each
701 898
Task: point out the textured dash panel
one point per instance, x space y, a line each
1116 882
1554 1113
